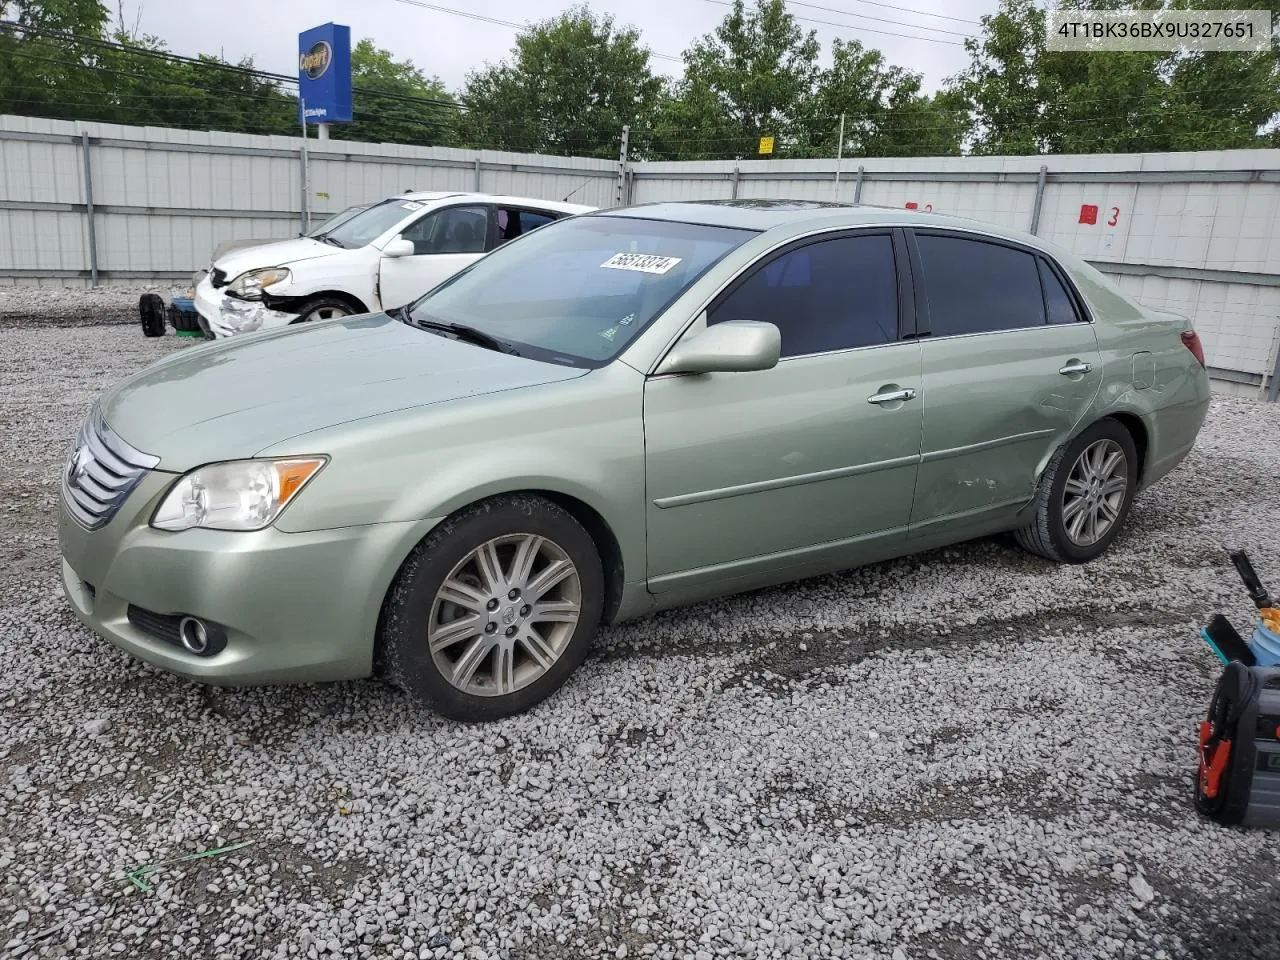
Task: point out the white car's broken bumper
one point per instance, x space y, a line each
228 316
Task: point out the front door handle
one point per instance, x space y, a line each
893 396
1073 369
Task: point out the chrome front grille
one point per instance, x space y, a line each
102 472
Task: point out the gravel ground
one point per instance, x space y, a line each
32 307
968 754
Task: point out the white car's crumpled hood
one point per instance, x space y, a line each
278 254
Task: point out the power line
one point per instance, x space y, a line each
867 16
888 6
848 26
481 18
253 72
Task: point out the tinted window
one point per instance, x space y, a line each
976 287
1056 299
579 290
831 295
513 222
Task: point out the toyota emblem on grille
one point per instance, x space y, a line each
79 465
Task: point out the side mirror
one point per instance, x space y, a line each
399 247
736 346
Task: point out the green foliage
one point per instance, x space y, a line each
572 82
1024 99
571 85
754 76
393 119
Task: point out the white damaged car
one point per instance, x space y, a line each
384 256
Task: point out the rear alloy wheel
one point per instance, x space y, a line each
494 610
1085 495
323 308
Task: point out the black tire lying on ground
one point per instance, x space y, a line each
152 313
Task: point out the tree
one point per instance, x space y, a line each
572 84
885 112
391 118
45 77
754 76
1025 99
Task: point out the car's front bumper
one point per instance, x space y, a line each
223 316
296 607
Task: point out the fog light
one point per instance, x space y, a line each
194 635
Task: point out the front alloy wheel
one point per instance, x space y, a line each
504 615
493 609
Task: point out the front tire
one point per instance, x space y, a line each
494 609
1085 495
324 308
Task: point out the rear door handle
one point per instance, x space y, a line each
892 396
1071 369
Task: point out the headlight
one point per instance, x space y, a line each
251 284
241 495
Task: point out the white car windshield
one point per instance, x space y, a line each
580 290
368 225
326 227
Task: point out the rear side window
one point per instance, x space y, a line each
831 295
977 287
514 222
1056 299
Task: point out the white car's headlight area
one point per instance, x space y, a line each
240 495
249 285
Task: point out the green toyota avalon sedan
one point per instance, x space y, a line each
614 414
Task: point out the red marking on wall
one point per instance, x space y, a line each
1089 213
912 205
1115 217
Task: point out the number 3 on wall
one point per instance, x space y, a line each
1115 217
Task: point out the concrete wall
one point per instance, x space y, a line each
163 199
1196 233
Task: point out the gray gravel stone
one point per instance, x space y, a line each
978 755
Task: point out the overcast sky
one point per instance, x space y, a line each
449 45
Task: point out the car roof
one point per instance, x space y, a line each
431 196
799 216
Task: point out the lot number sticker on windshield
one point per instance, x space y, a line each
641 262
411 205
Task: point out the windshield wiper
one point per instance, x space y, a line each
325 238
462 332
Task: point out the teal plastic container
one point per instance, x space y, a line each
1265 645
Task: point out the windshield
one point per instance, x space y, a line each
335 220
580 290
373 222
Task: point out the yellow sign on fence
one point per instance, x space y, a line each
766 145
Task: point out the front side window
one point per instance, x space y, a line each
831 295
579 290
979 287
453 230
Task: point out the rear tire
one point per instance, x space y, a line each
494 609
1085 495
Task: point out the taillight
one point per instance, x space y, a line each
1191 340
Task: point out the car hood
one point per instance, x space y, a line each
233 398
278 253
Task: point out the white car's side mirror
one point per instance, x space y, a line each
399 247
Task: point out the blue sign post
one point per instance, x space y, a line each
324 76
